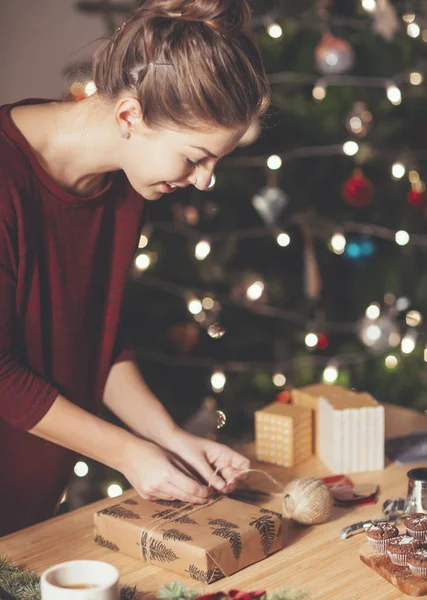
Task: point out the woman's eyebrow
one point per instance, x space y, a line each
210 154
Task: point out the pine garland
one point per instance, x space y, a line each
22 584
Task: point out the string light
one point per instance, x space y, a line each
413 318
407 344
90 88
350 148
81 469
114 490
283 239
413 30
402 303
194 306
311 340
373 311
143 241
413 176
402 238
275 31
338 243
255 290
416 78
408 17
212 182
208 303
218 381
369 5
142 261
202 250
330 374
391 361
394 94
319 91
216 331
279 379
274 162
398 170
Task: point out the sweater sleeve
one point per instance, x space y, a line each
24 397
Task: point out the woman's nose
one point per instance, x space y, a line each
201 178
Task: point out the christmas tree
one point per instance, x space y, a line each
304 262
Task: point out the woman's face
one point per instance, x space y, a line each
159 161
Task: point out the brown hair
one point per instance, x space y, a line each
186 60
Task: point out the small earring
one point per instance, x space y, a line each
125 135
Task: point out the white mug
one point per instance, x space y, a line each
80 580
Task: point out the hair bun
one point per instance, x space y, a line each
227 17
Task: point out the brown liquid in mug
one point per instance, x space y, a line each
79 586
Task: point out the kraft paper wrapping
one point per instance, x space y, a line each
204 542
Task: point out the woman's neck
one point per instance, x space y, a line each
71 140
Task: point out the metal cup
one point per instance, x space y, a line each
416 498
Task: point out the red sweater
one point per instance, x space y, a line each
64 260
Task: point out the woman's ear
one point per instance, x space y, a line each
128 114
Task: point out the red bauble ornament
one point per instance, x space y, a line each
358 190
322 341
415 197
284 397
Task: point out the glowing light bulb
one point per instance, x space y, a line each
394 94
114 490
142 261
413 318
195 306
218 381
212 182
81 469
414 176
208 303
398 170
373 311
330 374
275 31
407 345
274 162
319 91
202 250
143 241
369 5
255 290
391 361
90 88
311 340
350 148
413 30
408 17
283 239
402 238
338 243
416 78
279 379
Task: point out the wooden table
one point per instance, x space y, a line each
314 559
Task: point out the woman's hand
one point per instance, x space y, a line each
152 473
205 456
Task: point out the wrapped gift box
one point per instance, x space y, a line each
283 434
205 543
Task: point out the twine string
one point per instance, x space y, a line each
189 508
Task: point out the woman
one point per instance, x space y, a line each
177 86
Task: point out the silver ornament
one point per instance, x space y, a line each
270 202
216 331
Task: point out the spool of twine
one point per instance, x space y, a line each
307 501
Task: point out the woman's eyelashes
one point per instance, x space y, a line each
193 164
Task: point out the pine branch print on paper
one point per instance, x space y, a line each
223 523
158 551
266 528
175 534
234 538
266 511
185 520
204 576
106 543
119 512
130 501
